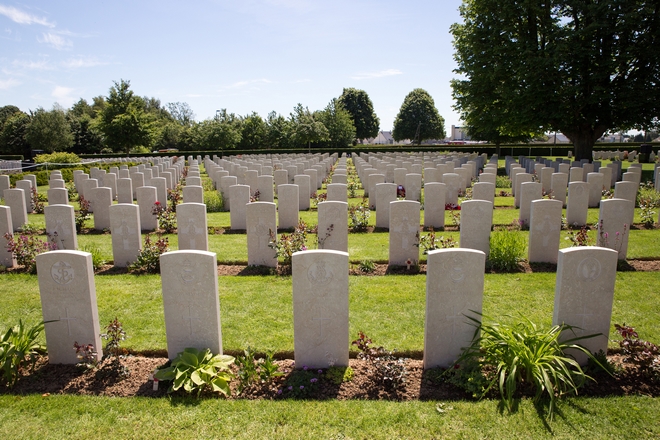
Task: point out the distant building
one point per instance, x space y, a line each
458 134
383 138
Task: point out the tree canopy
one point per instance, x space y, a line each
582 68
305 129
418 119
341 131
49 131
358 104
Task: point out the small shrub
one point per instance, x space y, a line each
97 257
352 186
58 158
580 238
523 355
37 200
647 214
318 198
148 260
467 376
358 216
71 190
252 371
502 182
25 249
166 216
339 375
506 251
288 244
366 266
18 347
198 370
87 355
213 201
175 196
429 242
83 214
642 353
115 334
388 369
255 197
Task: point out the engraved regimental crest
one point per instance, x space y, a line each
62 272
187 269
455 268
317 274
589 269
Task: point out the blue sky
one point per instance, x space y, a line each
242 55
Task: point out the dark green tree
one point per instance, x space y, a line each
583 68
13 134
341 131
49 131
254 132
278 133
418 119
305 129
124 121
216 134
361 109
182 113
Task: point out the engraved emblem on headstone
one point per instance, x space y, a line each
62 272
589 269
187 274
317 274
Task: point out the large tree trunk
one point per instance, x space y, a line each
584 137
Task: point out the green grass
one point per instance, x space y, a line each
75 417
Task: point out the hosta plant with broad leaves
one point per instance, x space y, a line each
198 370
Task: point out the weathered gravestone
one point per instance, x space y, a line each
454 292
559 185
61 226
193 194
614 221
261 221
124 190
192 228
385 194
320 308
303 182
7 258
146 199
595 181
476 222
68 304
191 302
26 186
125 232
239 196
404 233
544 231
529 191
15 199
265 188
435 196
288 203
58 196
578 204
333 226
584 294
337 192
100 198
483 191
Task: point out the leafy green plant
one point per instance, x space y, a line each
524 356
18 347
647 214
288 244
97 257
429 242
252 371
115 334
58 158
366 266
37 200
358 216
502 182
507 250
166 216
148 260
468 376
339 375
83 214
175 196
198 370
213 201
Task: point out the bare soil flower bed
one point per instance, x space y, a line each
49 379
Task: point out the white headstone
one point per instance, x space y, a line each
559 185
125 231
100 199
320 308
26 186
337 192
240 197
68 304
192 228
333 226
454 291
476 222
614 221
595 181
193 194
404 232
191 302
303 182
544 231
146 199
6 257
584 294
124 190
61 226
578 204
287 209
435 195
261 221
15 199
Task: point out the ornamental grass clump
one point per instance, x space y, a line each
507 250
524 357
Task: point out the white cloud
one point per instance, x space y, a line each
55 40
21 17
6 84
242 84
77 63
32 65
380 74
63 95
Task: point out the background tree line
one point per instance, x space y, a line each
123 122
